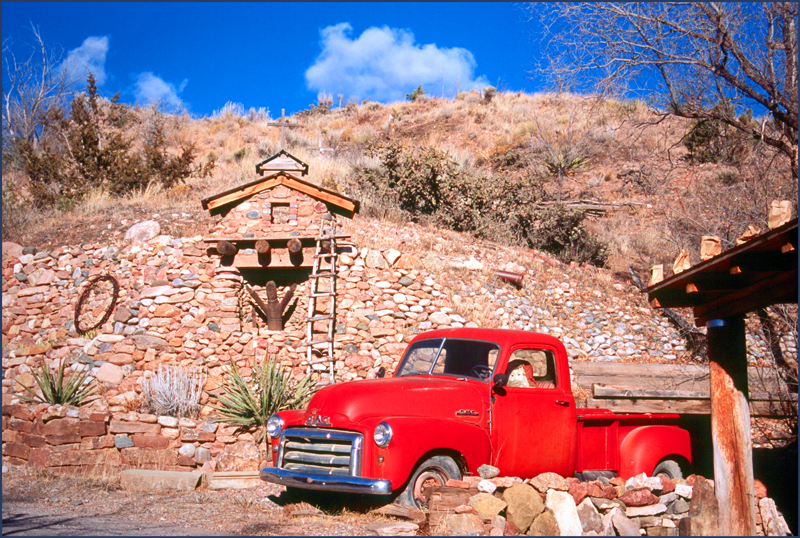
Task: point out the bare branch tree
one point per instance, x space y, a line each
705 60
35 85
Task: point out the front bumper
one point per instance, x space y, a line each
326 482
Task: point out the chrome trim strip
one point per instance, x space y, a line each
340 483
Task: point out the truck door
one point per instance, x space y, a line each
534 424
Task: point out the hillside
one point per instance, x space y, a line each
648 201
657 200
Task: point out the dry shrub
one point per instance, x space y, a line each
173 392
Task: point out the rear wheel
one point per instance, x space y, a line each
669 468
435 472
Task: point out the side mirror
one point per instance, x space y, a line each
381 372
499 382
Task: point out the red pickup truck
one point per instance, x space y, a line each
461 398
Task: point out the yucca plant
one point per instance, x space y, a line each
272 390
55 390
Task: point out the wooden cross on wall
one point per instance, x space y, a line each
282 124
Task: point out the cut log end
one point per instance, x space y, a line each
226 248
262 246
295 246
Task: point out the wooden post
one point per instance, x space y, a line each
730 427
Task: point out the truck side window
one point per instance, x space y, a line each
533 368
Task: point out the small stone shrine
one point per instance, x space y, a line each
281 230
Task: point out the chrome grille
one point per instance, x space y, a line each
320 451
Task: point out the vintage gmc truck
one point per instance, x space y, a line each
461 398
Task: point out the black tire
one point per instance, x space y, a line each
435 471
669 468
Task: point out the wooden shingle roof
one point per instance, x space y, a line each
336 203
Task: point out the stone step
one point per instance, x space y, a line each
234 480
149 480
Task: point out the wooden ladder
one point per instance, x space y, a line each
318 341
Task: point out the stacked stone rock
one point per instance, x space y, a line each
178 306
272 212
68 439
550 505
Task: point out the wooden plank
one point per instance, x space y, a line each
666 376
277 259
277 239
316 192
242 193
605 391
686 407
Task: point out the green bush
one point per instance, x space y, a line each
58 391
416 94
88 148
272 390
426 182
713 141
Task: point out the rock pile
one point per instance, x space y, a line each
550 505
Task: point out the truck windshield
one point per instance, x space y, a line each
450 357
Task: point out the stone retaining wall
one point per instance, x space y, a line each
178 306
68 439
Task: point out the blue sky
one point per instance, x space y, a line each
200 56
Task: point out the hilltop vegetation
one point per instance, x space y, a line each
494 165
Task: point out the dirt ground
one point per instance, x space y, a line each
37 503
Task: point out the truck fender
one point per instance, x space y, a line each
644 447
414 440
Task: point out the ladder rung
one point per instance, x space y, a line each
320 317
323 294
328 255
320 275
315 342
318 361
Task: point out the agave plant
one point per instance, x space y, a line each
272 390
55 390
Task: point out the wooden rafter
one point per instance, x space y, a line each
342 203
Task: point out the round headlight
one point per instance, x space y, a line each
382 435
274 426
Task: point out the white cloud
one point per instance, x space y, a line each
89 57
150 88
385 64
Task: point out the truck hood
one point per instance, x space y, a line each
419 396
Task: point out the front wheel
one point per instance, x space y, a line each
669 468
435 471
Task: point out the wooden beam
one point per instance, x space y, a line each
604 391
318 193
262 246
244 192
306 239
226 248
778 288
277 259
730 427
686 407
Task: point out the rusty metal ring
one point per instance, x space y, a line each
93 282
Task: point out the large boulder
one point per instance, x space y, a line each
543 525
590 517
143 231
524 504
562 505
487 505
